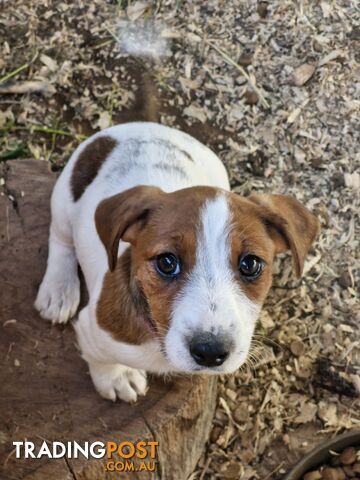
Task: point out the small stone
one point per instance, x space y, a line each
317 162
246 57
330 474
345 282
348 456
262 9
334 204
231 394
303 74
251 97
241 414
215 433
297 348
338 179
232 471
314 475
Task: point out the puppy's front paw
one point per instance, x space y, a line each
58 297
118 381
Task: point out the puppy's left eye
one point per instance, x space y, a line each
168 265
250 266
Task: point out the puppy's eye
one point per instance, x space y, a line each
250 266
167 264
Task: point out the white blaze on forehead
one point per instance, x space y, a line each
213 248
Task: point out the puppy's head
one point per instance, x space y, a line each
202 259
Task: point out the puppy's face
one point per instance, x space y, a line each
202 259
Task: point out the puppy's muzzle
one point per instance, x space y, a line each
209 350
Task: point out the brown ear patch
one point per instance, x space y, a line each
122 215
290 224
89 162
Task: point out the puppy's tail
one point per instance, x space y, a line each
147 102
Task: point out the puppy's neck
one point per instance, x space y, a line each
122 308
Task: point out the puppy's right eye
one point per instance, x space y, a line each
250 266
167 265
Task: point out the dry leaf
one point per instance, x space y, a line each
195 112
293 115
326 9
355 379
136 10
6 116
302 74
266 320
49 62
330 57
308 412
352 180
310 263
346 328
328 414
188 83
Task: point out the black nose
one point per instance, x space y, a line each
209 350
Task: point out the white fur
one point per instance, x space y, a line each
140 146
59 294
116 380
212 300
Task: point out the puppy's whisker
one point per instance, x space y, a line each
268 340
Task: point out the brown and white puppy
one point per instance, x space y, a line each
177 267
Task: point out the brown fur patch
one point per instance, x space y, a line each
88 164
249 236
169 226
289 224
265 225
121 309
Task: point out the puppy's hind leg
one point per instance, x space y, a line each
59 293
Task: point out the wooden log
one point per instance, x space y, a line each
45 389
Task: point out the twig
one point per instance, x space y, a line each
242 70
14 73
205 469
103 44
9 456
274 471
52 131
18 70
115 37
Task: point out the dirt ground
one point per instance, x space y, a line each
273 88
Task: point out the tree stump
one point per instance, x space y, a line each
46 391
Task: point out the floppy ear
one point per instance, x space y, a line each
122 216
290 225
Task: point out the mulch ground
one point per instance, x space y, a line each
273 89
